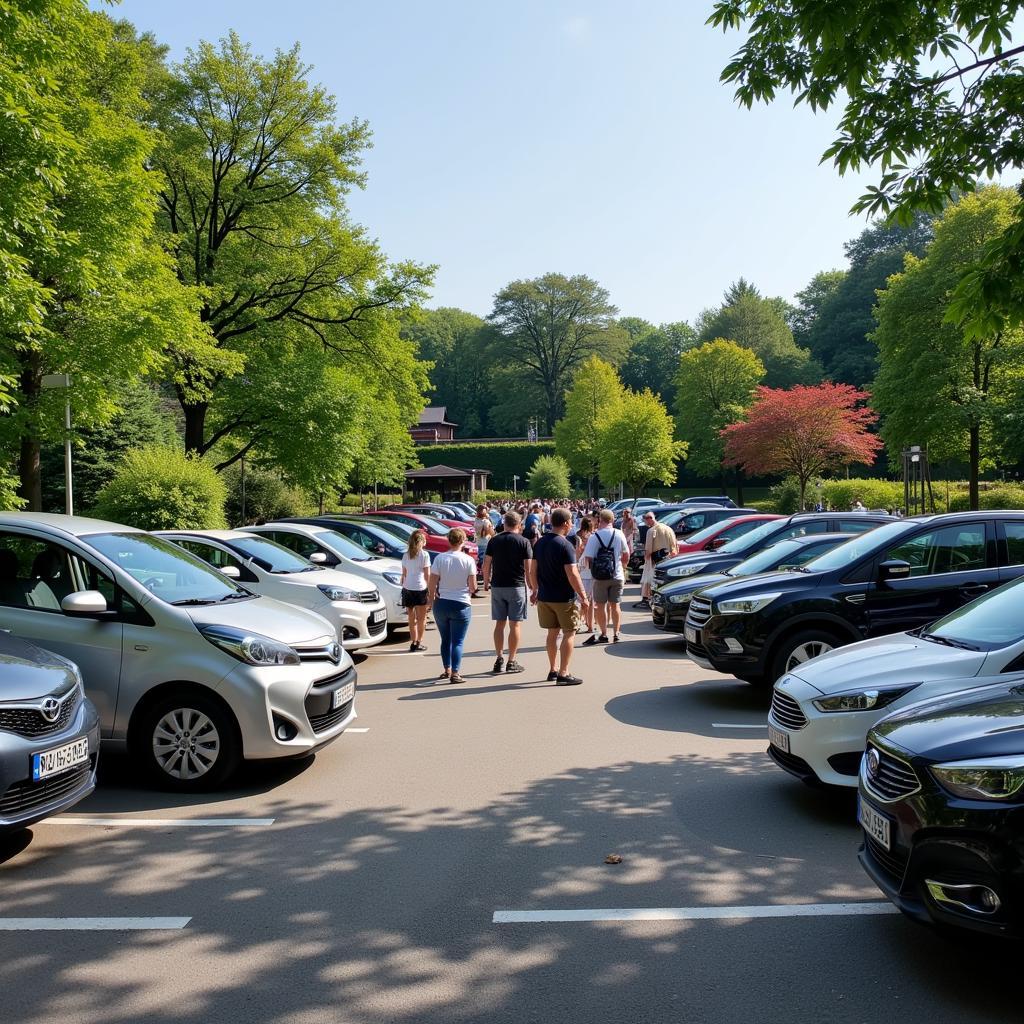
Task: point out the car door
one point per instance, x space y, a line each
1010 533
36 573
950 565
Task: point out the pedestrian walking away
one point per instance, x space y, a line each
606 556
586 528
659 544
452 584
415 588
558 581
508 572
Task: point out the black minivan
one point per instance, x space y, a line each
900 576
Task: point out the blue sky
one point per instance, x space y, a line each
519 138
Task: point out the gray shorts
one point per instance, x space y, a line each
508 603
608 591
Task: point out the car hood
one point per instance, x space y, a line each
287 623
688 584
984 723
27 671
327 577
747 586
888 660
381 566
713 558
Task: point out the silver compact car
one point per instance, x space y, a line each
49 735
189 671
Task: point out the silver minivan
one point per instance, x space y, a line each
189 671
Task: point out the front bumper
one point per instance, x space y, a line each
392 597
23 801
711 651
354 622
669 617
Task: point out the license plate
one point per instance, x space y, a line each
692 635
878 826
60 759
380 615
343 695
780 739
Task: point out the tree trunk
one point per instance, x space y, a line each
195 427
975 457
30 479
739 487
803 492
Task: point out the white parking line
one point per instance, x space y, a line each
91 924
161 822
693 913
736 725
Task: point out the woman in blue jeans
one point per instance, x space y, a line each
452 585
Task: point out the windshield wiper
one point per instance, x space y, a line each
235 596
949 641
194 600
306 568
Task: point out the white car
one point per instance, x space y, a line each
265 567
822 711
328 547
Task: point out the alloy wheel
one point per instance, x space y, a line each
805 651
186 743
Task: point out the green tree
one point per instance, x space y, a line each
654 356
549 477
755 323
938 384
928 91
253 170
811 301
595 397
637 446
715 386
87 289
549 326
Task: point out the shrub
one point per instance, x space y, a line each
267 497
999 496
549 477
160 488
765 505
786 496
9 500
841 494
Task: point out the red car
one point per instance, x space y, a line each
714 536
435 530
431 512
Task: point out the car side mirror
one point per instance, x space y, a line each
231 571
893 569
85 604
318 558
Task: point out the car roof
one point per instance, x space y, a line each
72 526
208 534
818 538
306 528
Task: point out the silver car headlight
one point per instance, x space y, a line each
393 578
863 700
989 778
745 605
252 648
685 570
337 593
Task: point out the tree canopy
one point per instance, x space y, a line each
636 445
548 477
594 399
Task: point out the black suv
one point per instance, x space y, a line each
900 576
942 807
799 525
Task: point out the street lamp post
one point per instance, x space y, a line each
514 491
53 381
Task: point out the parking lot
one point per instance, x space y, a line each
445 860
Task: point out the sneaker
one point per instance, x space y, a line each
499 664
412 648
603 638
552 676
420 647
590 641
514 666
615 639
569 680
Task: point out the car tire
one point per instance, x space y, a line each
187 741
797 648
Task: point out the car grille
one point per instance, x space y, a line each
700 612
787 711
30 721
321 723
28 795
369 596
376 628
892 862
318 701
317 652
895 778
790 762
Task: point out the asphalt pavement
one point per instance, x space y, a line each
447 863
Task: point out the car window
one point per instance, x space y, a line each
297 542
272 556
208 553
1014 542
694 521
801 528
991 621
956 548
117 600
33 573
855 525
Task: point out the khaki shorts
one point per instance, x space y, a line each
558 615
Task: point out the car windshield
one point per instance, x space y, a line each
382 536
273 557
431 526
990 622
786 552
708 533
341 545
389 526
165 570
750 541
862 544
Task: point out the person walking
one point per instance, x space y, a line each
630 529
508 571
586 528
659 544
606 556
532 524
558 580
415 587
452 584
482 520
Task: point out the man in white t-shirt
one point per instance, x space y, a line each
606 556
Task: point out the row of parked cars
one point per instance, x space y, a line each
895 652
188 649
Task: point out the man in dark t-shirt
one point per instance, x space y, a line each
558 581
508 568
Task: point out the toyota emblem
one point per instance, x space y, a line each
50 709
873 761
335 653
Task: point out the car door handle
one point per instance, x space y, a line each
974 588
855 598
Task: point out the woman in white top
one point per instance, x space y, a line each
415 567
452 584
582 536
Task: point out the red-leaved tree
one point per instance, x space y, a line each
805 431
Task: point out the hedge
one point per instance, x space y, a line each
503 458
1001 496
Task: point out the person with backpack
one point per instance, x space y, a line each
606 555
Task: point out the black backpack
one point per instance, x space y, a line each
602 565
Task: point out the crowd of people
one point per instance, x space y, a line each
567 559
